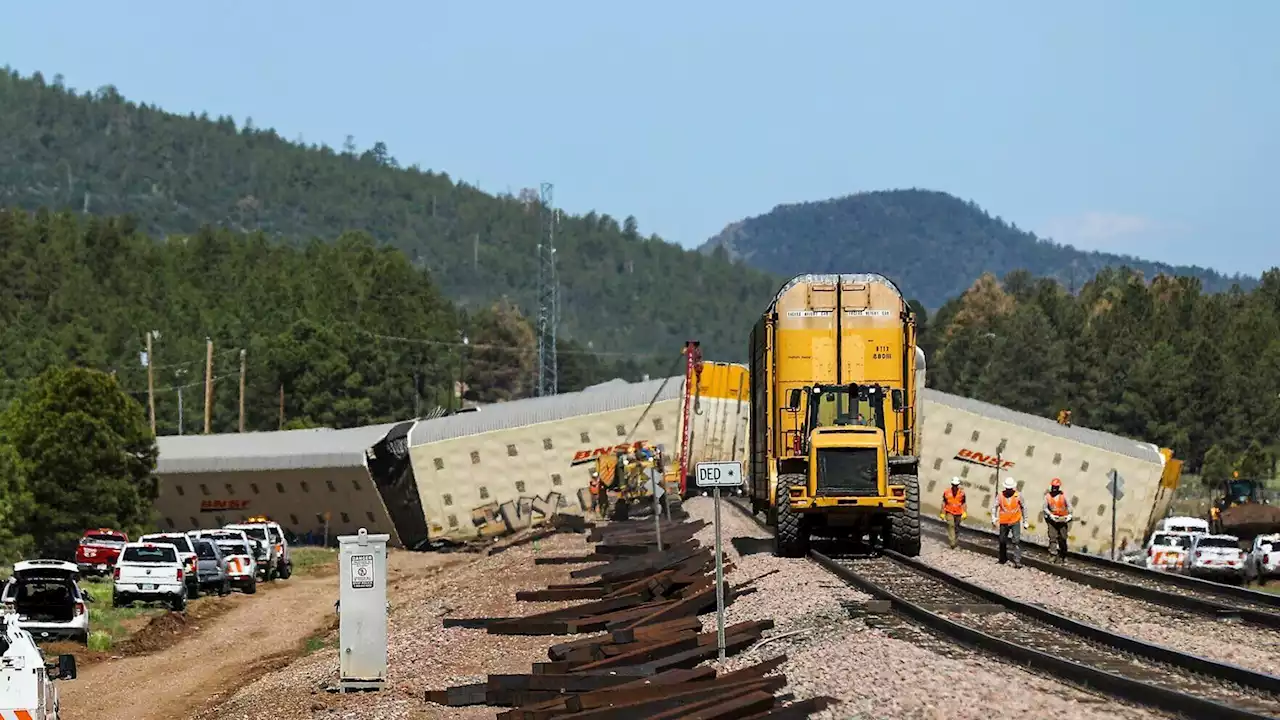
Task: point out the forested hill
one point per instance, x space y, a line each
621 292
348 331
933 244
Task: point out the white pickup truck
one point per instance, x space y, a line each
186 554
26 681
150 572
1263 561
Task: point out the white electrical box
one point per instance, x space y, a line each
362 611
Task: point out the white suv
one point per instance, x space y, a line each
47 600
150 572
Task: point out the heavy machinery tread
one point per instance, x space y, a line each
790 536
904 527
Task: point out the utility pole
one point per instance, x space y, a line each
242 364
548 297
208 385
151 384
281 427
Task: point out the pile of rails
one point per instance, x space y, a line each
646 602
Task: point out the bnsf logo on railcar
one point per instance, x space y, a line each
219 505
586 456
976 458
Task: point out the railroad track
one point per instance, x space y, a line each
1067 649
1161 588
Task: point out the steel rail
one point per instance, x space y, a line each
1251 605
1104 680
1265 687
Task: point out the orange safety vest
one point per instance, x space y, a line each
595 486
1010 509
953 502
1057 504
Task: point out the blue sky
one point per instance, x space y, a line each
1143 127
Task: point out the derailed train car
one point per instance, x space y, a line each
717 412
975 441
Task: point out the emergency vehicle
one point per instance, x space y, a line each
27 690
237 548
275 560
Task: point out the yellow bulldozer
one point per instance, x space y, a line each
624 475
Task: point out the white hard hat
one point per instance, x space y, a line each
1010 483
955 481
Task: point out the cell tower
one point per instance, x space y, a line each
548 297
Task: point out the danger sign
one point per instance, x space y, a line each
361 571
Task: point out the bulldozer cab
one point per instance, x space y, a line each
1240 492
839 406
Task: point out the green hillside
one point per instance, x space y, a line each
621 292
934 245
317 321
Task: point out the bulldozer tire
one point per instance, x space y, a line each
904 527
790 536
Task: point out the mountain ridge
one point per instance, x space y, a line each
838 233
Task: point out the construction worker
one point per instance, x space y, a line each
1057 515
1009 515
598 498
955 508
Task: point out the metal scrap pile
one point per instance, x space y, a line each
645 663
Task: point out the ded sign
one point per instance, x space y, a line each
361 571
719 474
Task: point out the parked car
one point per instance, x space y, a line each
48 600
98 550
1263 561
1182 523
186 553
241 567
211 568
1167 550
266 555
284 559
1216 557
150 572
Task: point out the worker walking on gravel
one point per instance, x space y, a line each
955 508
1057 515
1008 513
599 501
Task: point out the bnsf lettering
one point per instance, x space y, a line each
977 458
584 456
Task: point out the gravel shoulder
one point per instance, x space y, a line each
878 667
421 654
211 656
1229 641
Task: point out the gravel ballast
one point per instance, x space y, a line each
421 654
862 660
1229 641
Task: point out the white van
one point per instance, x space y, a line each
1195 526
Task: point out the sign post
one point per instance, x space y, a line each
657 491
716 475
1115 486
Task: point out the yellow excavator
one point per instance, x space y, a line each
1243 510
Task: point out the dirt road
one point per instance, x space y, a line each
175 682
